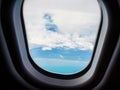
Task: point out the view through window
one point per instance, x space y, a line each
61 34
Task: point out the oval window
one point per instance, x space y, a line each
61 34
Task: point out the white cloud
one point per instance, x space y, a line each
75 5
61 56
76 30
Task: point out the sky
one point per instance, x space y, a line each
55 25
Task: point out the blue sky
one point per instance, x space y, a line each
58 31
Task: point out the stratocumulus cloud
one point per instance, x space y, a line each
59 28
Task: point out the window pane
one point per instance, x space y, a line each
61 34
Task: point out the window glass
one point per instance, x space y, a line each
61 34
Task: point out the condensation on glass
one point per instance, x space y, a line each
61 34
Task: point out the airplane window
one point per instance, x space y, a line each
61 34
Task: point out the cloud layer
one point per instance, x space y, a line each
59 28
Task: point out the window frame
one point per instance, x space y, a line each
33 76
